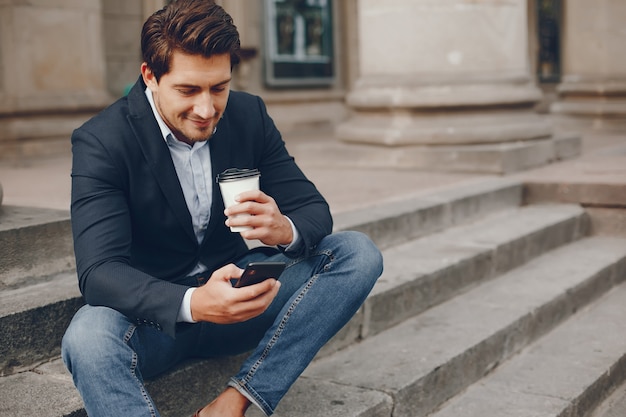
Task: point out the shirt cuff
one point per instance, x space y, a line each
296 238
184 313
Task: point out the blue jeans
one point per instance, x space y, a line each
109 356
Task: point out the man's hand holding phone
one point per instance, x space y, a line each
218 301
257 272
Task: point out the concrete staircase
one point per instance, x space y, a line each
487 307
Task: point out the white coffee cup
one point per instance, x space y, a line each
235 181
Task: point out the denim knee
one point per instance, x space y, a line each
361 251
91 337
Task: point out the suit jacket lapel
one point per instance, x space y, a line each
157 154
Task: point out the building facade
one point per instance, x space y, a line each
448 84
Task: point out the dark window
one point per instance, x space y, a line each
298 43
548 33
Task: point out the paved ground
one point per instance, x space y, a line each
45 182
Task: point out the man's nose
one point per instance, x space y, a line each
204 106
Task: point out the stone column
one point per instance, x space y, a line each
445 84
51 73
592 92
241 11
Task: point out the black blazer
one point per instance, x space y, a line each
133 236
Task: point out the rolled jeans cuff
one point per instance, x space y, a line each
236 385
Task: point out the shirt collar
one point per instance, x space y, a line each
165 130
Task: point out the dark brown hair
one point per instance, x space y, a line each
196 27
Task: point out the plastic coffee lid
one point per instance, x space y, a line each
233 174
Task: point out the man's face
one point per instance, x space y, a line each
192 96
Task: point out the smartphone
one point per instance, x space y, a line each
257 272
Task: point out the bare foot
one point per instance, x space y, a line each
229 403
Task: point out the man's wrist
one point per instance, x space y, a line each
184 313
295 240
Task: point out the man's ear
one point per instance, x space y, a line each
148 76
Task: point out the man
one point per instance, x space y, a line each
154 252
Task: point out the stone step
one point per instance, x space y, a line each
594 194
33 320
492 158
420 364
46 391
391 223
429 270
569 372
419 274
614 405
34 244
54 298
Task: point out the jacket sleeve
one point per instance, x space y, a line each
296 196
102 231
